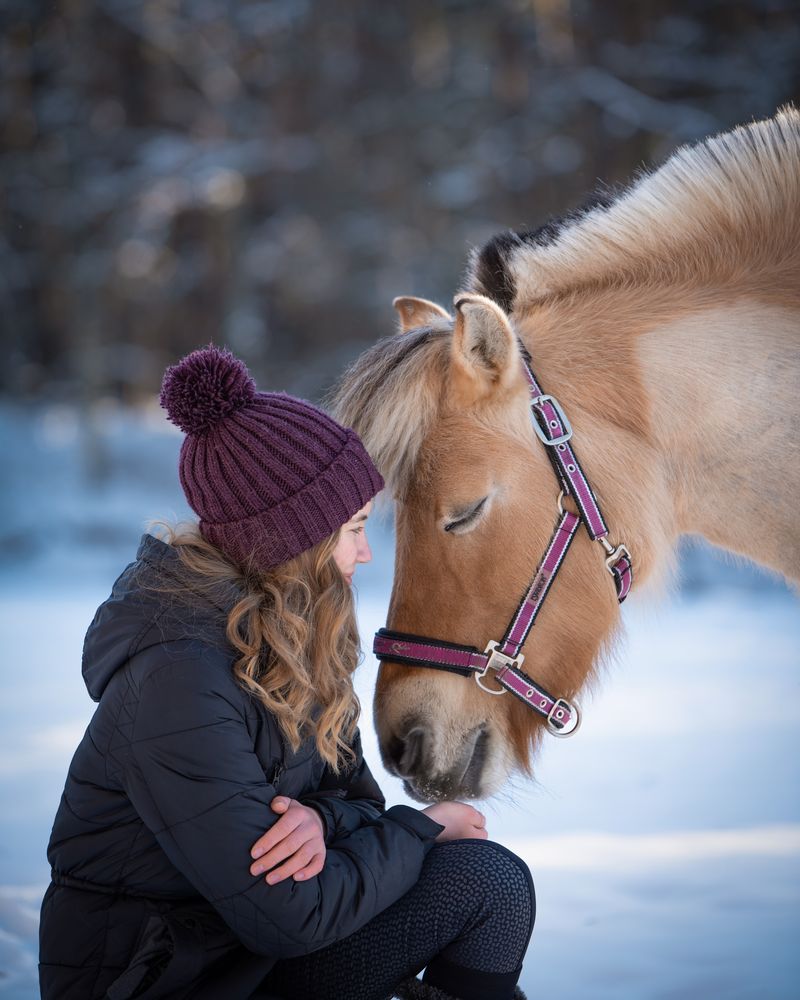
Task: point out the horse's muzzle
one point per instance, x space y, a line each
413 758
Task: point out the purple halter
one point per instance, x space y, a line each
504 657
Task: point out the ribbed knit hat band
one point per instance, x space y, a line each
268 474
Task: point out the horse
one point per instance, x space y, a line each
665 324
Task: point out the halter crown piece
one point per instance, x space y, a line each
504 657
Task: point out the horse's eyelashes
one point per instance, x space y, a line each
467 518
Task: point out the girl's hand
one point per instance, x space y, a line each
459 820
297 840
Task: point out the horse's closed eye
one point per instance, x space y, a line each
466 520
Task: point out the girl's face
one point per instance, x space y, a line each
353 547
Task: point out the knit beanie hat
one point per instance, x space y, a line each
268 474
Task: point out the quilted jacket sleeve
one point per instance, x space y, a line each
195 781
347 801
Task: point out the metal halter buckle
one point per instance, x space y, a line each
537 401
614 554
556 712
496 661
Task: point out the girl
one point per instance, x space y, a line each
220 835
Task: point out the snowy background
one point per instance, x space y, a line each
664 839
269 174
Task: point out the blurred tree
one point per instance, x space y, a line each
270 173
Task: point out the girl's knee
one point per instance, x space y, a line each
492 890
510 878
501 877
510 894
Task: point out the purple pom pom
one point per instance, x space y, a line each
204 387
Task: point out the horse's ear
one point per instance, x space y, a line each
485 351
414 312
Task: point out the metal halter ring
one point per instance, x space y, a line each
553 714
613 555
479 681
496 661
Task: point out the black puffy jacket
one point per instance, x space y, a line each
151 893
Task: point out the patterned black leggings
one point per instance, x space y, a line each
467 921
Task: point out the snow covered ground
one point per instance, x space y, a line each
664 839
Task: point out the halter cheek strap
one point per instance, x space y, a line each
504 657
554 430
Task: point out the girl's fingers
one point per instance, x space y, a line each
285 849
311 870
285 825
295 863
280 803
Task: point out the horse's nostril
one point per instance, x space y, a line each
411 752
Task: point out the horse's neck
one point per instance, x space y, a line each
723 387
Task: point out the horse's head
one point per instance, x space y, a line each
444 410
623 308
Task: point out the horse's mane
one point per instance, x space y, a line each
713 211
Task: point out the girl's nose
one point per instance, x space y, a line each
364 551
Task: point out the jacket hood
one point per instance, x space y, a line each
138 615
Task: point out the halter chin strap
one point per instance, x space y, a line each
504 657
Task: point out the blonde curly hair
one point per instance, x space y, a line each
295 630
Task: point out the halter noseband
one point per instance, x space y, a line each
504 657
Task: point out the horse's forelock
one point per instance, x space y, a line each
391 397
